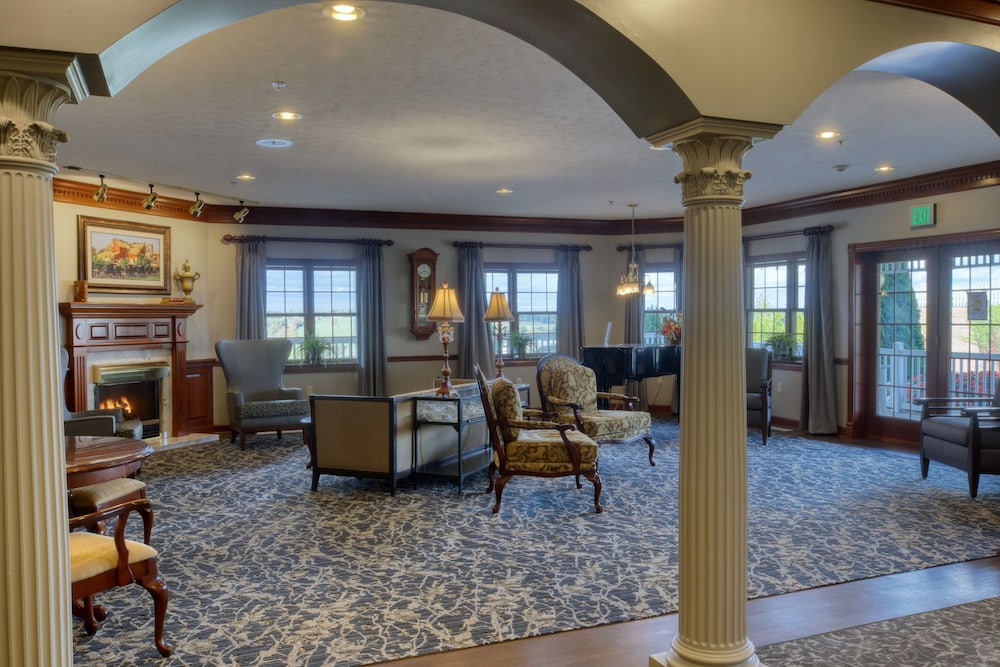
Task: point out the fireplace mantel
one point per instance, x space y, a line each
92 327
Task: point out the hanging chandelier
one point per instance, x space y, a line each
629 283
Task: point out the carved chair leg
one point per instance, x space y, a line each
158 590
91 614
596 479
652 448
501 482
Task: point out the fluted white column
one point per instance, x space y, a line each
712 619
35 628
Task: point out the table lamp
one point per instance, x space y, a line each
498 312
444 310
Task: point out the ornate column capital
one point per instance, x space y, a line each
712 168
33 86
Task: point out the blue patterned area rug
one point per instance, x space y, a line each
262 571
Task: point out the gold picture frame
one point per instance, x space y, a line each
124 257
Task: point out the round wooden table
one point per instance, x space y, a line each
93 459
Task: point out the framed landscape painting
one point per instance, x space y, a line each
125 257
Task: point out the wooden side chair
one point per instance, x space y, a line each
100 562
102 495
569 389
535 448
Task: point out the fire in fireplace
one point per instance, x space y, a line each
136 389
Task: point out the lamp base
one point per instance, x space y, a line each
446 390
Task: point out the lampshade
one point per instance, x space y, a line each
498 310
445 308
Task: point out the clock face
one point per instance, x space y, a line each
424 270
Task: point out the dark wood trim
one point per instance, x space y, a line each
943 182
983 11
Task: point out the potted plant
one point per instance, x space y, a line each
783 346
313 349
519 343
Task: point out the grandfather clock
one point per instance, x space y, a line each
423 268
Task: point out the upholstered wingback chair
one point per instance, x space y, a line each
963 433
102 421
526 446
759 366
569 389
256 397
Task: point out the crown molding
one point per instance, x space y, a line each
983 11
942 182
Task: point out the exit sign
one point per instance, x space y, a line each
923 215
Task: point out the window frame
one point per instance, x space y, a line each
652 336
309 268
512 269
794 292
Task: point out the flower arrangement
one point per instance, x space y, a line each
671 329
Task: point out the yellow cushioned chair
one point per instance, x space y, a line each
101 562
569 389
536 448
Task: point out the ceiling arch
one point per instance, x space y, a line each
636 88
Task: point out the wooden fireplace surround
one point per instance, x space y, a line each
92 327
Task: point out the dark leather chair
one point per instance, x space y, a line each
86 422
963 433
522 446
759 365
256 398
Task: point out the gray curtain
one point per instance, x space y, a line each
372 350
569 302
251 288
819 394
633 306
472 337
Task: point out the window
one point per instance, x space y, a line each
776 312
531 292
664 301
315 299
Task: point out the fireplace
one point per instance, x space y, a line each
137 389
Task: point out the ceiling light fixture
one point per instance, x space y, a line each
102 191
286 115
827 134
246 177
273 143
198 204
884 168
150 201
241 214
504 191
343 12
629 283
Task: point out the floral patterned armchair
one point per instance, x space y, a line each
522 446
569 389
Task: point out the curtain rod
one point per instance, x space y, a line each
230 238
534 246
649 246
819 229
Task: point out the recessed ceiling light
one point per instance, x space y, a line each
274 143
884 168
343 12
664 147
246 177
286 115
504 191
827 134
278 85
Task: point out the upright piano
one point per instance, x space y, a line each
619 364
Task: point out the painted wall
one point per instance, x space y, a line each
201 244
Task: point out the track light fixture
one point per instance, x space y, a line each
102 191
198 204
241 214
150 201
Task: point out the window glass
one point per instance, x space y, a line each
532 294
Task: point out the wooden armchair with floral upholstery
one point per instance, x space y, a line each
536 448
569 389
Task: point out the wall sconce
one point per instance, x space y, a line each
498 312
150 201
444 310
198 204
241 214
102 191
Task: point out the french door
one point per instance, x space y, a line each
933 329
